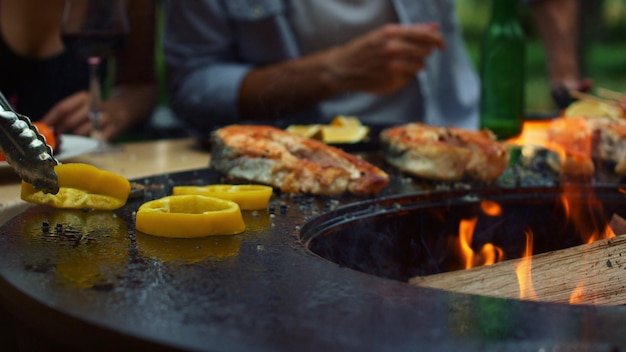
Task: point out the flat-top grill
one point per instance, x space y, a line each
94 282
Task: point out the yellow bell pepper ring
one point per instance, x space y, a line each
189 216
249 197
82 186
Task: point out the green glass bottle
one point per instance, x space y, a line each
502 72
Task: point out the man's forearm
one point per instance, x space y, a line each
271 91
557 23
378 62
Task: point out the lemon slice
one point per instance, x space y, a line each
341 130
344 134
593 109
308 131
346 121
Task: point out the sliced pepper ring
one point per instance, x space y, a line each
249 197
82 186
189 216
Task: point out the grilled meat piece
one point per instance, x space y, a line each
292 163
583 140
444 153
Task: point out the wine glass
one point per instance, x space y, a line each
94 30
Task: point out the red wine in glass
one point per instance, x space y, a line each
94 30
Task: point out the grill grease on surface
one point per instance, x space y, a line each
91 246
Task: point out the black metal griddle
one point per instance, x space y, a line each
94 283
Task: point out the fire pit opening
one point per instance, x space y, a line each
423 234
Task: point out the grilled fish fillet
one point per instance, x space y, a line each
583 140
292 163
444 153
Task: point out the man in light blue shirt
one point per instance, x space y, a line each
284 62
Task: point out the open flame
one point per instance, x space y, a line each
490 208
580 207
536 133
578 200
582 287
533 132
584 210
489 253
523 271
577 295
573 147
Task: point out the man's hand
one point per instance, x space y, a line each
379 62
385 59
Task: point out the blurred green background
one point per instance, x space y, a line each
602 37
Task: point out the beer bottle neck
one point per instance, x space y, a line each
504 10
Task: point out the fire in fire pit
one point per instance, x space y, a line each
430 239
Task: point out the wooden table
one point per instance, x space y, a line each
133 160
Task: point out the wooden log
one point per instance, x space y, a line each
588 274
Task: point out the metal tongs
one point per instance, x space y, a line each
26 150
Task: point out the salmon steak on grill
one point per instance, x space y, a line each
444 153
292 163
